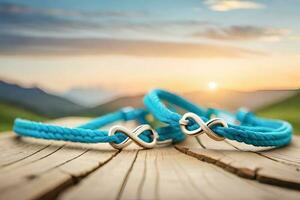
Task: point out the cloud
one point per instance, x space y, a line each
243 33
12 8
17 18
30 31
46 46
21 18
227 5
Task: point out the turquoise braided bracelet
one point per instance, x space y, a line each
118 136
250 129
243 126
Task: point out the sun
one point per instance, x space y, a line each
212 85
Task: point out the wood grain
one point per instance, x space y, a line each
45 173
289 155
165 173
106 182
14 148
40 169
246 164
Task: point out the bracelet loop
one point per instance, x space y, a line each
250 129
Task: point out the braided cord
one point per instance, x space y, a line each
252 130
88 133
85 133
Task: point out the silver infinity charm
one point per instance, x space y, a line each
133 136
204 127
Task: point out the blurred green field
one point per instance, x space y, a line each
288 109
9 112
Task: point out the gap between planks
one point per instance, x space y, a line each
166 173
243 162
49 168
67 175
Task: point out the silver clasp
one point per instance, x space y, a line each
133 136
204 127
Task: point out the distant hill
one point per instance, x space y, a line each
89 97
288 109
226 99
10 112
132 101
37 100
34 103
232 100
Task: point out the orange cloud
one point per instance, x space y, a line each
243 33
226 5
46 46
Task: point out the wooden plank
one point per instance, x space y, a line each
68 165
102 172
165 173
14 149
289 155
245 164
37 155
106 182
52 169
45 186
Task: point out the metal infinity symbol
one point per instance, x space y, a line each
133 135
204 126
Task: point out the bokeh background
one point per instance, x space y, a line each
86 58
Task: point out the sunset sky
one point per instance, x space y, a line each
135 45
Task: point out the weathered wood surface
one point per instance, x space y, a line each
198 168
247 161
